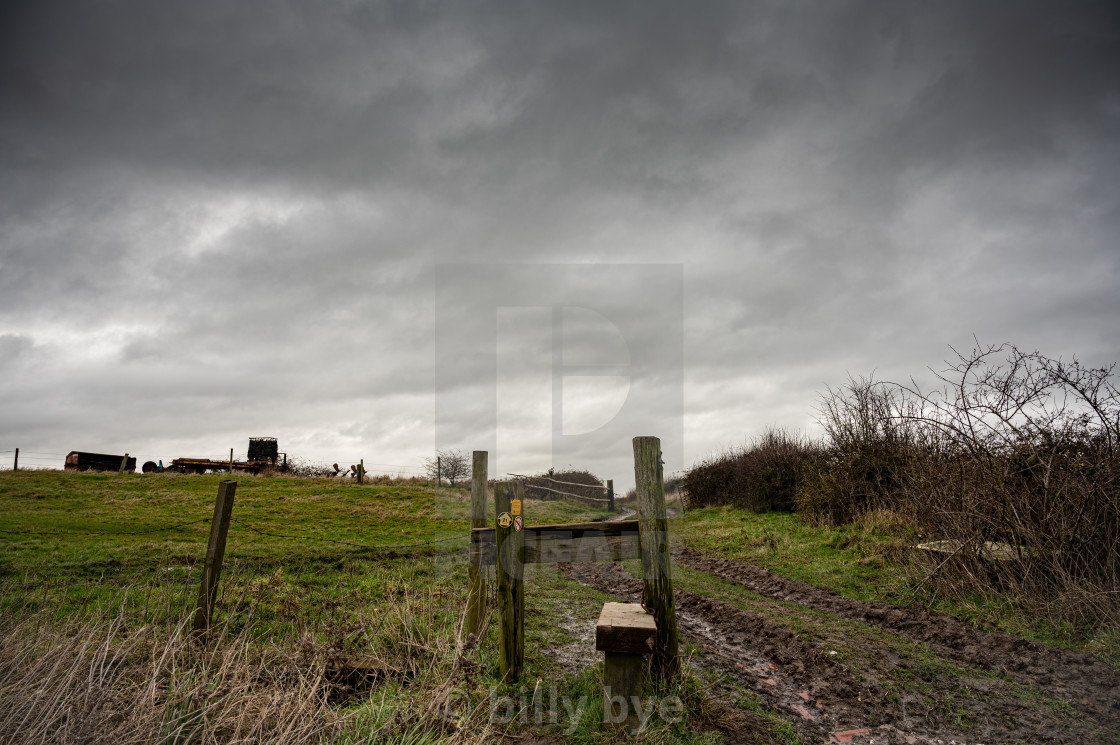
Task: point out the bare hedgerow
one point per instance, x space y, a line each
870 440
765 475
1014 462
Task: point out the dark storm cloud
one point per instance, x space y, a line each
225 216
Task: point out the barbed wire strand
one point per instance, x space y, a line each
374 547
556 481
569 494
107 532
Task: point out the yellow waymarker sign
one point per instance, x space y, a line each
504 520
515 507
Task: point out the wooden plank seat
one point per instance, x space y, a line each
625 633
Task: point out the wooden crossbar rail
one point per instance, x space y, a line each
547 544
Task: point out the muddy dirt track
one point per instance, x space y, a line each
844 670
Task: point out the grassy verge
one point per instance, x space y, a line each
870 559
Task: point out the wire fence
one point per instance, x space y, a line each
368 546
180 593
28 578
529 479
106 532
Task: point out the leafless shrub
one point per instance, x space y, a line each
1022 451
303 468
870 440
453 465
1013 462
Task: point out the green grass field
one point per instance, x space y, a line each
315 569
320 572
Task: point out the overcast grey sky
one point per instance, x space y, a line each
220 220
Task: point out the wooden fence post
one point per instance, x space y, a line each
476 583
361 470
439 472
610 494
653 529
231 461
509 546
215 552
124 464
15 465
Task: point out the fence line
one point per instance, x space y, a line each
301 596
375 547
569 494
556 481
101 586
563 493
105 532
243 524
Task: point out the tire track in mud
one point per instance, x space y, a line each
1089 684
829 701
788 674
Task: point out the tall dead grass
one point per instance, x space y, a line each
97 680
357 672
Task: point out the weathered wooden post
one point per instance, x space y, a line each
231 461
439 472
509 544
361 470
476 578
215 552
124 464
653 530
15 464
610 494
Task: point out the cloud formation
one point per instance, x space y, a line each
226 220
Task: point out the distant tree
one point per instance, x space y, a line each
452 465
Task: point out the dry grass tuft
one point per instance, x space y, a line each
94 680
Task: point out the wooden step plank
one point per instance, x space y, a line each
625 627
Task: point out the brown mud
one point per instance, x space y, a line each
892 680
1067 674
